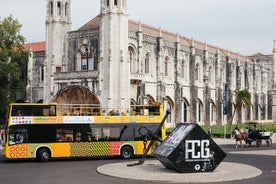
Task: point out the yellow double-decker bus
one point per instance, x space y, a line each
45 131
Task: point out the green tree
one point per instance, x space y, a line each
13 64
242 99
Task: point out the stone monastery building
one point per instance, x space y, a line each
115 62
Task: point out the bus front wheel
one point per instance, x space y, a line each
126 152
43 155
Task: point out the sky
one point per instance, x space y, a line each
243 26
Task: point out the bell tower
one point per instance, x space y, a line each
58 23
114 65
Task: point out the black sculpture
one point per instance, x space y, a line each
189 149
152 136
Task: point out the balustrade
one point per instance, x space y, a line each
76 75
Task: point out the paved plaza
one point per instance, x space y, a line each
153 170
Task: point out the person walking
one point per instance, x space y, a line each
210 131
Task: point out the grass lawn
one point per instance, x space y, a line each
218 131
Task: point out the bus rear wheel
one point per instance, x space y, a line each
126 152
43 155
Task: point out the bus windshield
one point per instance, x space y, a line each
17 135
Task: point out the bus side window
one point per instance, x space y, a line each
64 135
96 133
89 136
78 136
86 134
111 133
46 112
16 111
106 133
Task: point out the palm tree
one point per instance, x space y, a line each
242 98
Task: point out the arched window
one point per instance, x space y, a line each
51 8
197 72
115 2
168 105
210 74
212 111
131 59
87 60
166 65
182 69
199 111
42 73
107 3
185 111
66 9
150 99
59 8
147 69
222 76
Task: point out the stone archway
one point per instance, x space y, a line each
76 95
72 99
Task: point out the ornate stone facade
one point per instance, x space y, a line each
122 62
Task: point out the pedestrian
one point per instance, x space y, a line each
247 129
210 131
2 134
236 128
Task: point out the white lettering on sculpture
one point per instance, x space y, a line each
197 149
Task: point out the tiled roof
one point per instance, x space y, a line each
92 24
133 26
257 54
153 31
35 47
